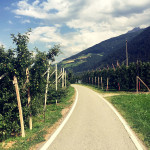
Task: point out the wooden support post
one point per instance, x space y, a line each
118 64
89 80
29 100
19 106
56 76
63 76
98 82
143 83
137 84
46 91
102 83
65 79
107 84
56 80
118 86
30 118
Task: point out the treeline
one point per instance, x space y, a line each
120 78
14 62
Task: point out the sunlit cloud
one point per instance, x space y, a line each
93 21
1 43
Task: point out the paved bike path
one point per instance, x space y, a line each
92 126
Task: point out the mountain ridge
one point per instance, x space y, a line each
134 29
109 51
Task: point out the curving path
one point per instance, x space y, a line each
92 126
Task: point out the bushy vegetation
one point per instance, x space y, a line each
41 128
123 78
14 62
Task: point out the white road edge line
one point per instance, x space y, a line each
126 126
52 138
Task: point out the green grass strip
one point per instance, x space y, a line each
135 108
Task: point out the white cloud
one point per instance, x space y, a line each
82 13
1 43
92 20
18 17
10 22
45 10
46 34
36 2
26 9
25 21
71 43
143 19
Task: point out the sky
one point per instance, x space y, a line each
74 24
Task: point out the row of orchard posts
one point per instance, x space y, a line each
61 77
99 82
131 77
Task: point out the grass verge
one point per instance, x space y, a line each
135 108
40 129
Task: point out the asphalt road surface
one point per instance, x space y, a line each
92 126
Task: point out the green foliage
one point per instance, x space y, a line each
14 62
53 52
35 136
71 77
54 95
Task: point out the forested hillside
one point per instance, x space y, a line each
109 45
138 49
111 50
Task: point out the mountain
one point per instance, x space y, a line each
138 49
111 50
134 30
